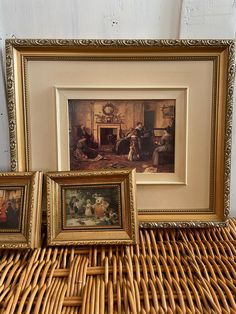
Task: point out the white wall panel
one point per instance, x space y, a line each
112 19
208 19
90 19
80 19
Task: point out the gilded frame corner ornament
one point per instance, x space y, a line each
222 52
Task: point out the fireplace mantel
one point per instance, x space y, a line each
100 126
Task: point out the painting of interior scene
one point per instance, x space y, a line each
92 206
10 208
122 133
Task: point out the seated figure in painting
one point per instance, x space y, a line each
84 148
85 153
78 152
166 144
83 133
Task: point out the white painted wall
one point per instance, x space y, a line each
113 19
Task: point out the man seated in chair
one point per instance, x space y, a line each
166 144
82 133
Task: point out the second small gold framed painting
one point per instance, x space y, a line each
161 106
91 207
20 209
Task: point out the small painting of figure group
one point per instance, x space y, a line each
10 206
92 206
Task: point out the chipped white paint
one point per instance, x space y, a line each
113 19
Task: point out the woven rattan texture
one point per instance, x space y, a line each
170 271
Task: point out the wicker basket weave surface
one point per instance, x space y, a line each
170 271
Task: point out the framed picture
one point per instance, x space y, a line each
118 133
163 107
91 207
20 209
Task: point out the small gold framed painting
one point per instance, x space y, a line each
97 207
20 209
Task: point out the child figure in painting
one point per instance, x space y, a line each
88 209
134 147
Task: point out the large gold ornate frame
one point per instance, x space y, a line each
220 52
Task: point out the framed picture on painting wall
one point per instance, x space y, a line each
87 207
134 131
20 209
163 107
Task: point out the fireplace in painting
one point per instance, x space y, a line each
108 134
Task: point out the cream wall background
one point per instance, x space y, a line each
171 19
